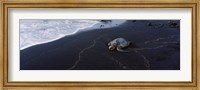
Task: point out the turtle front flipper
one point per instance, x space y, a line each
121 50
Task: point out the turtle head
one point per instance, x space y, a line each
112 48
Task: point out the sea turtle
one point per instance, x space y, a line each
118 44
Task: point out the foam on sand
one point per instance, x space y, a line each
33 32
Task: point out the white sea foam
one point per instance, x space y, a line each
33 32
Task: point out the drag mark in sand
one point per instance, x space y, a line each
169 42
79 55
148 48
119 63
146 61
163 44
158 39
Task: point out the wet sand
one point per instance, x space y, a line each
155 46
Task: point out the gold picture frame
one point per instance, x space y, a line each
6 85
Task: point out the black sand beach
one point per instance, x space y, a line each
155 46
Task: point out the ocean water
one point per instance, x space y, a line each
33 32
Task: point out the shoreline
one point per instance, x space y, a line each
92 27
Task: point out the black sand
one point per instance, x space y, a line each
156 46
